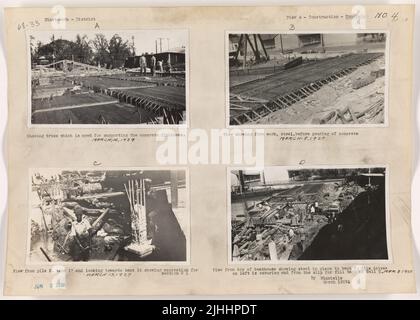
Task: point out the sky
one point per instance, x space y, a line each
144 40
276 174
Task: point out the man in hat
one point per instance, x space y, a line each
80 235
143 64
153 65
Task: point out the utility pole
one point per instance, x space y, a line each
281 44
241 180
245 52
133 47
160 43
263 177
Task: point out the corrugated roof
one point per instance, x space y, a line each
174 50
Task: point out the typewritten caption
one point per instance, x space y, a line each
125 137
328 275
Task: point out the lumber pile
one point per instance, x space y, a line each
362 82
374 113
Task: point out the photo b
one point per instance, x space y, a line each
108 215
108 77
307 79
310 214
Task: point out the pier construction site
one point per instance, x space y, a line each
107 215
89 95
311 83
323 219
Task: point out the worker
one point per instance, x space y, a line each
169 66
80 236
153 65
160 65
312 211
291 234
316 207
142 64
302 215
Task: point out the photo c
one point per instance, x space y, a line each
87 215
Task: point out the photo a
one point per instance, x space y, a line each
308 214
108 215
102 78
307 79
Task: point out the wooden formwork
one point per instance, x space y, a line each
254 113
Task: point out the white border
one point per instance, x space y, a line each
30 125
187 232
415 175
230 262
315 126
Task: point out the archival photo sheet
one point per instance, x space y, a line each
209 150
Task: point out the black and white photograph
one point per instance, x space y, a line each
307 79
308 214
108 215
101 78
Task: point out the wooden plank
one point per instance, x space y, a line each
282 103
295 97
277 104
258 116
246 116
100 195
268 108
